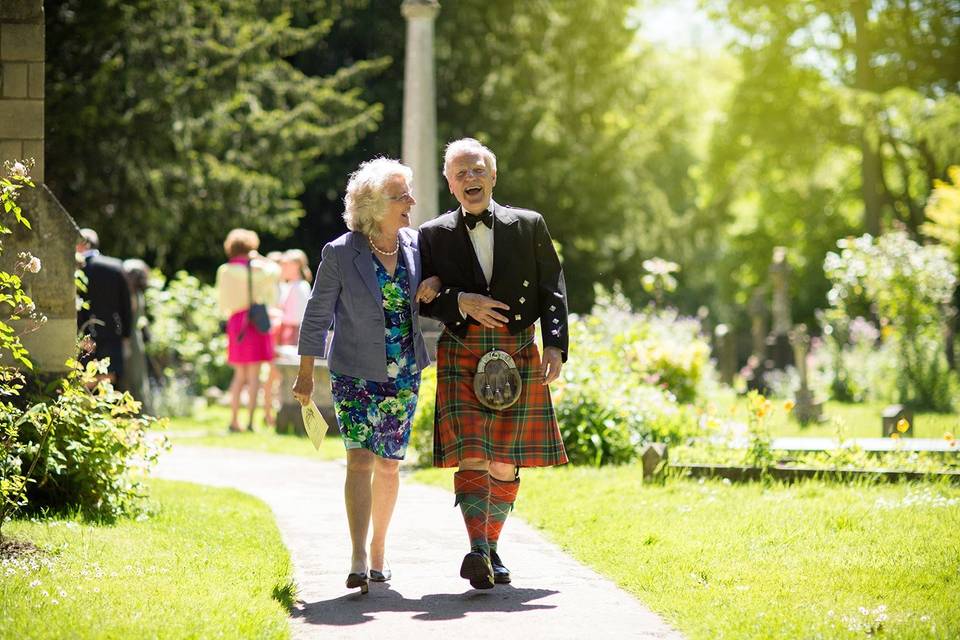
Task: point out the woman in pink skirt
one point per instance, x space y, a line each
245 274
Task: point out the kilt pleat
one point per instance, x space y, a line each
525 434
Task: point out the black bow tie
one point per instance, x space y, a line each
471 219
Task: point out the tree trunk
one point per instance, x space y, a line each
869 140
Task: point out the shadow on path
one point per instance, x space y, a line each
354 608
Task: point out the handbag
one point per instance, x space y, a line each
256 313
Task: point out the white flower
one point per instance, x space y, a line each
18 170
35 583
34 265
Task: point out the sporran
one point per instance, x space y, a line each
497 383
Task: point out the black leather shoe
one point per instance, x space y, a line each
477 569
501 575
355 580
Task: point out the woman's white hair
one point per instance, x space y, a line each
365 203
470 145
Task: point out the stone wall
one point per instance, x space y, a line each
53 234
21 82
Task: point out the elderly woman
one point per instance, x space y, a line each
246 279
364 290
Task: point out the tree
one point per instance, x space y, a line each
589 128
839 124
585 123
862 49
169 123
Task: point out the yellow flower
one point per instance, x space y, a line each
949 437
886 331
902 425
895 435
789 405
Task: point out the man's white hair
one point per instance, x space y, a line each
468 145
365 203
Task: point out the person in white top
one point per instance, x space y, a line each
295 282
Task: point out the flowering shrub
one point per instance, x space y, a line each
97 449
15 304
626 383
185 337
628 380
909 286
62 446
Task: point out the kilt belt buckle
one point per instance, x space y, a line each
497 381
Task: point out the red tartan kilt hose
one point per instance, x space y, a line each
525 434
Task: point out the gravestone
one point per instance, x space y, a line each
779 350
726 350
654 458
758 323
54 234
806 409
892 415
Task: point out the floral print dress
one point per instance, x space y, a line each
377 415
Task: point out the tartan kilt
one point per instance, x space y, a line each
525 435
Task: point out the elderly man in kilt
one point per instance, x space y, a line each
501 274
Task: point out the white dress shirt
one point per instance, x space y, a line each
481 237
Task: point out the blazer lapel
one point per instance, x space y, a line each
410 252
468 249
501 235
363 262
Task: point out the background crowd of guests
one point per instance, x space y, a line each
115 320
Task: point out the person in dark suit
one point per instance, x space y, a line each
501 275
107 315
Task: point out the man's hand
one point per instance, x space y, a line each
551 364
483 309
303 386
428 290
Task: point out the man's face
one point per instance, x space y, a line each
471 181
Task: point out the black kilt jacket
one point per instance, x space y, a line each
526 272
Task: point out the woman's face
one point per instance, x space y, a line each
289 270
399 201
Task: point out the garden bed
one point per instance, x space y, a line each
740 473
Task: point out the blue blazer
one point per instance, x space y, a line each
346 297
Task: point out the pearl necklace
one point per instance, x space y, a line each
381 251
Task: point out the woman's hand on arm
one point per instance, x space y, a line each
428 289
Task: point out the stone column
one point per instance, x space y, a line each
420 107
21 82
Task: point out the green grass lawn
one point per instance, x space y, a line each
860 420
209 428
205 563
757 561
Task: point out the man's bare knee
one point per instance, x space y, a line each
503 471
474 464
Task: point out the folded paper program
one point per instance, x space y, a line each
314 423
